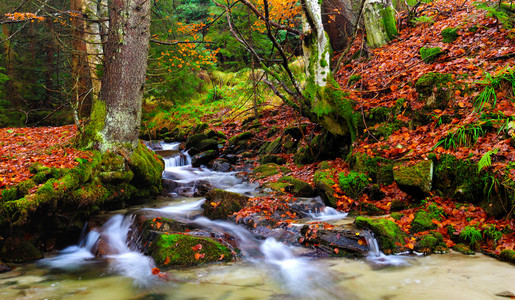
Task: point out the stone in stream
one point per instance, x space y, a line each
389 235
335 240
220 204
203 158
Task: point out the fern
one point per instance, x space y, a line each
486 160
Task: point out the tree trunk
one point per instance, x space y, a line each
116 116
327 103
379 18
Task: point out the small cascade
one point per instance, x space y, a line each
380 259
328 214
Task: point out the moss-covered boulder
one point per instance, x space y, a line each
324 183
147 168
380 24
388 234
241 139
203 158
274 147
186 250
268 170
450 34
435 89
464 249
272 159
220 204
421 222
431 243
353 183
415 178
297 187
378 168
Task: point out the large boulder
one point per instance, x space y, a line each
186 250
220 204
203 158
336 241
415 178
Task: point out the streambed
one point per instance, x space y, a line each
269 269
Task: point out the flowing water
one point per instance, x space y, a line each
269 270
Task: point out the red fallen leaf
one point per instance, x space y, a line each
155 271
199 256
336 250
196 247
158 224
167 261
221 257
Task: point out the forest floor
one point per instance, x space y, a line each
481 54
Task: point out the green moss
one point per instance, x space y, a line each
184 250
323 180
450 34
507 255
147 168
431 243
464 249
297 187
421 222
388 234
388 15
366 209
354 78
353 183
240 138
418 176
428 55
396 215
378 168
268 170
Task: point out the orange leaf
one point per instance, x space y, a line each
167 261
197 247
199 256
336 250
155 271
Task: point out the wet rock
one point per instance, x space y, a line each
193 140
19 250
186 250
4 268
203 158
272 159
240 139
221 165
416 178
296 187
202 187
221 204
388 234
268 170
335 241
324 183
274 147
305 207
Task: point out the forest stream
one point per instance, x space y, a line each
268 268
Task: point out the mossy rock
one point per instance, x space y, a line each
203 158
398 205
431 243
220 204
458 179
507 255
324 184
274 147
429 55
388 234
450 34
303 156
148 169
272 159
378 168
193 140
241 138
464 249
416 178
366 209
421 222
19 250
185 250
297 187
354 183
268 170
396 215
435 89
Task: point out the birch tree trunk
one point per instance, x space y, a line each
327 103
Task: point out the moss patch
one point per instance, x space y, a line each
419 176
220 204
353 183
185 250
421 222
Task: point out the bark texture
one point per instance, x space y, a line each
379 18
124 75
